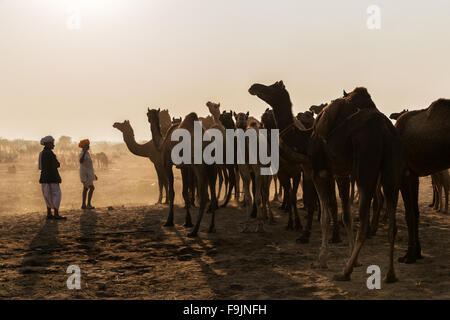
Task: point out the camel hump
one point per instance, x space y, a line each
439 109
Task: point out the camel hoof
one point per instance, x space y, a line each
212 230
407 258
188 225
168 224
192 234
341 277
390 278
357 264
336 239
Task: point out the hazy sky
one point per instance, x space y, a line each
177 54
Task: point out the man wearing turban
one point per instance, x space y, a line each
87 175
50 178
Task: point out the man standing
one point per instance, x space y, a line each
50 178
87 175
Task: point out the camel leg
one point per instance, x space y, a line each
169 175
231 185
440 198
226 180
336 238
160 184
247 197
237 189
220 174
366 167
364 207
407 195
293 199
391 194
186 183
376 209
323 187
310 203
352 190
433 186
202 186
254 204
267 197
210 174
257 202
275 195
446 190
343 187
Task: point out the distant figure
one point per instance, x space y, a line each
87 175
50 178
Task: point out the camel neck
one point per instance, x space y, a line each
283 116
156 132
135 148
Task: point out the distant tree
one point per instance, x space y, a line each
65 141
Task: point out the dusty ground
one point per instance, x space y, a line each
126 252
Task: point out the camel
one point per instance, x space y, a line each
426 136
207 122
286 172
226 118
164 121
176 121
440 182
102 160
205 175
147 150
317 109
306 118
260 183
225 172
349 135
395 116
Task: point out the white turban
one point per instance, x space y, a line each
47 139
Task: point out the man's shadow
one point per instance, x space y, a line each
39 257
88 227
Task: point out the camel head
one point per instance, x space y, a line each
339 109
268 119
214 108
176 120
275 95
124 127
153 115
306 118
241 119
227 119
395 116
317 109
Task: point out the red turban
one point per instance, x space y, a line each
84 143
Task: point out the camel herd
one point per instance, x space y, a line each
345 142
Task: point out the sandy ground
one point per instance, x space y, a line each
126 253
